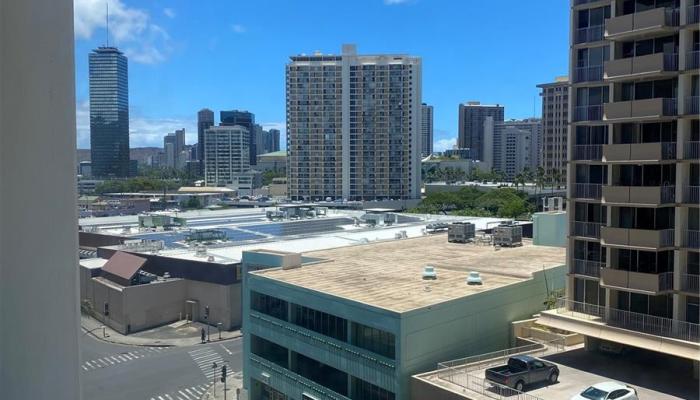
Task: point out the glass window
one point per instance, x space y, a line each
373 339
269 305
269 351
361 390
318 321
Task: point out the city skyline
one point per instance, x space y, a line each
165 44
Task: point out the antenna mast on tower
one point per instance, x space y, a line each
107 21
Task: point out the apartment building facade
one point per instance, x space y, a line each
472 115
353 126
555 123
512 146
226 157
634 176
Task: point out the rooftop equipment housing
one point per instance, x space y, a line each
461 232
508 235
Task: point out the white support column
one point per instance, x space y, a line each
39 320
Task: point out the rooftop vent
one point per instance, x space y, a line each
474 278
210 259
429 272
201 251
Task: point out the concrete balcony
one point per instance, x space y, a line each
288 382
622 111
641 67
691 195
690 283
645 23
586 268
635 152
638 282
588 191
588 152
361 363
642 195
665 335
587 229
638 238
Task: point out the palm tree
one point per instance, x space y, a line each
540 177
519 179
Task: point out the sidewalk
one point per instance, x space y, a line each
176 334
216 392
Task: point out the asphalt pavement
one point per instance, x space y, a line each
118 372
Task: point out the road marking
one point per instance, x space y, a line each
85 368
183 393
227 350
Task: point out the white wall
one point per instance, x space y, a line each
39 323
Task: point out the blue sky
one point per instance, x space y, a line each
224 54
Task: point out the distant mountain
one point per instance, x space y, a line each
138 153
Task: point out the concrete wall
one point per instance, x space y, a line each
39 317
140 307
550 229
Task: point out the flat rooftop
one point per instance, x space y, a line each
388 274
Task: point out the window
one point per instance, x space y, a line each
318 321
616 394
320 373
373 339
269 305
361 390
269 351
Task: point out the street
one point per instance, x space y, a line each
111 372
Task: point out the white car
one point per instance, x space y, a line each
608 391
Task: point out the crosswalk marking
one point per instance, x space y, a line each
189 393
113 359
205 359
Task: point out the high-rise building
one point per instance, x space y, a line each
555 123
261 141
634 175
426 128
205 119
353 126
173 148
226 157
109 112
471 126
274 140
511 146
247 120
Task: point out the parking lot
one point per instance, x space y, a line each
654 375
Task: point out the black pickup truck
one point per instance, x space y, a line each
523 370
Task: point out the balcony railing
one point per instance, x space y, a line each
587 268
691 194
640 151
588 190
691 150
641 108
690 283
588 113
588 74
590 34
692 239
644 21
692 60
613 194
692 105
588 152
633 321
587 229
693 16
636 237
636 281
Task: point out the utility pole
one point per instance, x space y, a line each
206 320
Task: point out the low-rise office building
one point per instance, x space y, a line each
356 322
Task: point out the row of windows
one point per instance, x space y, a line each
372 339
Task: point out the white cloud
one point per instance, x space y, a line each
238 28
444 144
131 28
169 12
143 131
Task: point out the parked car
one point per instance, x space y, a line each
523 370
608 391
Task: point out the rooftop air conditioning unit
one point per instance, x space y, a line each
210 259
474 278
429 272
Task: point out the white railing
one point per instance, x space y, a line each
588 190
588 152
633 321
690 283
691 194
692 239
587 229
587 268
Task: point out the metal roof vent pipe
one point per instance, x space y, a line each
474 278
429 272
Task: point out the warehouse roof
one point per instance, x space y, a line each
388 274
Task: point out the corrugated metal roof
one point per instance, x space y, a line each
124 265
